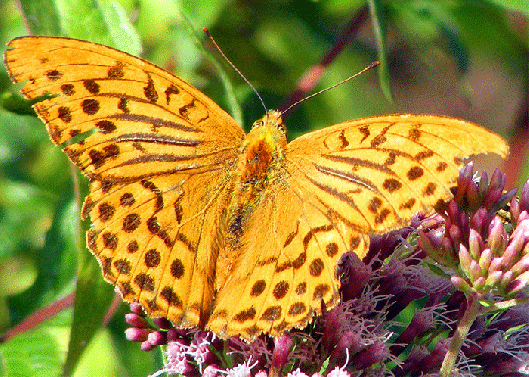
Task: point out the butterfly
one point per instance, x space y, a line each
208 226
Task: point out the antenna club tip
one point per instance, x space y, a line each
206 31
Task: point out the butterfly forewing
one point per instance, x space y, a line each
377 172
148 121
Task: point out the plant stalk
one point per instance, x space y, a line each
463 327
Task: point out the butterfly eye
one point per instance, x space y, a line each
258 123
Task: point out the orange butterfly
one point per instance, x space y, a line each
202 224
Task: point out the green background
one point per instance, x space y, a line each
466 59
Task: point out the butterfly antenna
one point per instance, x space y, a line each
370 66
206 31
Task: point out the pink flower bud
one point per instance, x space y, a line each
483 184
479 220
453 213
213 371
461 284
350 342
135 307
524 215
371 354
282 347
172 334
334 320
514 209
479 283
455 235
525 250
521 266
492 197
463 181
491 343
497 240
475 270
506 278
472 195
157 338
484 261
497 180
136 320
493 278
516 286
421 321
434 359
464 259
162 323
524 276
496 264
513 250
146 346
447 244
476 244
136 334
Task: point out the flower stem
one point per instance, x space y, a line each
471 313
508 304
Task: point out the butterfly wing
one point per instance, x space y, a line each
286 266
377 172
159 155
341 184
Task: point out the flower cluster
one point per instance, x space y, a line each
482 243
403 307
488 254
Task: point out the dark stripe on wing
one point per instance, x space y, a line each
156 122
155 138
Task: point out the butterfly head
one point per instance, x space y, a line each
271 119
267 133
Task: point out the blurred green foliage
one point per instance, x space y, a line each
466 59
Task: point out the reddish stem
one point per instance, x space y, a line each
313 75
39 316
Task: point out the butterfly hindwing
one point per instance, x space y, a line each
282 280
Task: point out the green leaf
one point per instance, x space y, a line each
235 108
379 27
93 297
97 22
93 364
83 19
55 269
122 32
31 354
517 5
423 24
41 17
15 103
